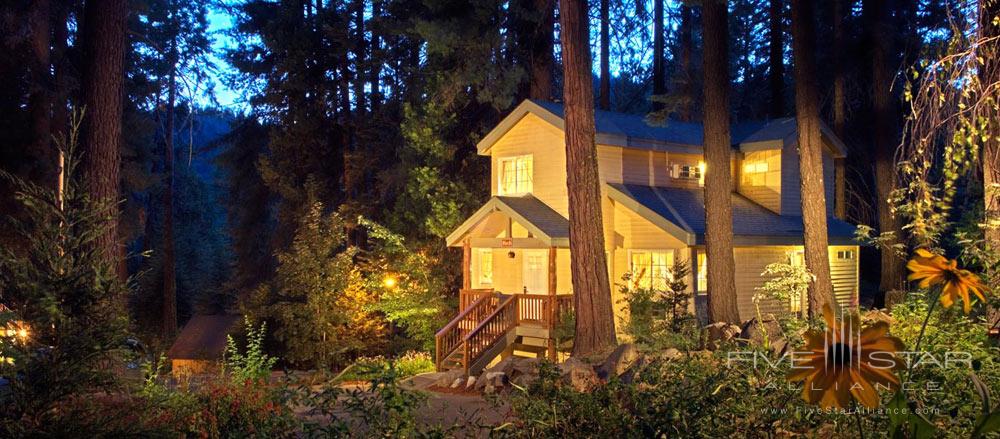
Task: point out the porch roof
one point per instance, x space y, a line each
541 220
681 212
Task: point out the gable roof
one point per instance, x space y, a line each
541 220
633 131
203 337
681 212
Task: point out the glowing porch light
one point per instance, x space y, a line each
390 281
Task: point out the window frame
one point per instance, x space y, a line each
480 252
529 182
669 263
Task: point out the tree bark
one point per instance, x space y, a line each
40 95
686 75
659 79
990 74
718 187
810 156
595 329
359 56
884 138
839 74
60 68
375 54
776 60
605 92
103 42
169 263
541 58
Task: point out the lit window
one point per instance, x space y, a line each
702 272
762 168
652 269
515 175
486 266
689 172
845 254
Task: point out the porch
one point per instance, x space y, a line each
492 324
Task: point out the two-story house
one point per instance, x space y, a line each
653 210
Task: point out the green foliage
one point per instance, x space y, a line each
68 295
659 319
406 365
416 301
317 300
254 365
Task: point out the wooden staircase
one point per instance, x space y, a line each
491 324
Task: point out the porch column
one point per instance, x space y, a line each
553 304
466 263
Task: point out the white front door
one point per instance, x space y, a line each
536 271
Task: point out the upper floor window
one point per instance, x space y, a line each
515 175
690 172
762 168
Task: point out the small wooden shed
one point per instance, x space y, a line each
201 344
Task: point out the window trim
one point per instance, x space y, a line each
669 251
501 161
479 265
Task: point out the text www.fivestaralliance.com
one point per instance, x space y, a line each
851 411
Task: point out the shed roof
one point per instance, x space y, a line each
681 212
530 212
203 337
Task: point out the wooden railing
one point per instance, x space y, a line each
491 329
486 316
451 336
468 297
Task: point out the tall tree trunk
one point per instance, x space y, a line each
376 54
686 75
60 67
718 187
40 95
169 263
810 156
989 10
883 142
103 42
839 73
595 328
605 92
776 60
541 58
659 76
359 56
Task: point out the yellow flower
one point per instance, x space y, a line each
931 269
846 362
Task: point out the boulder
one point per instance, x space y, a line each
444 379
526 366
524 380
495 379
720 332
471 381
753 330
457 382
506 366
877 315
630 375
619 361
578 375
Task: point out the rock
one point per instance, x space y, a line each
720 332
526 366
444 379
753 331
619 361
471 381
629 376
489 389
506 366
524 380
877 315
671 354
578 375
458 382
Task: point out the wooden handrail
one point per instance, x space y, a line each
451 335
489 330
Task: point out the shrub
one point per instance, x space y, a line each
254 365
406 365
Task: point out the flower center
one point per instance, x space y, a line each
838 354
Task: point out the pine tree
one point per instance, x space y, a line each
595 329
810 156
718 186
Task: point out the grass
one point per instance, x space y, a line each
407 365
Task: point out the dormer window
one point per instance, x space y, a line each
515 175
